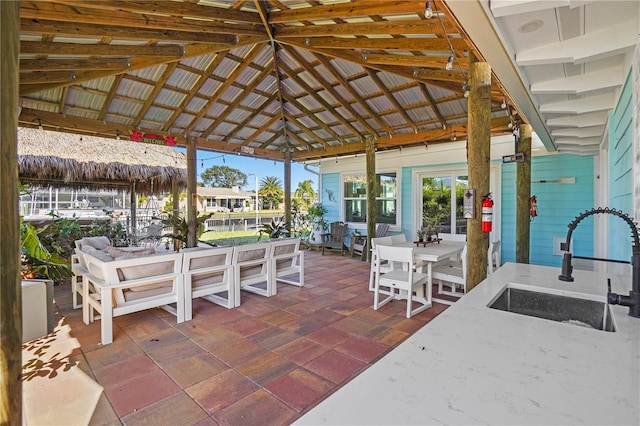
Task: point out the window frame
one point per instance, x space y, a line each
398 199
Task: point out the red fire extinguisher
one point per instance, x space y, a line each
533 207
487 213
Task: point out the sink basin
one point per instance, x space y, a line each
555 307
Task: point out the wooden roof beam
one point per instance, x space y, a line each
373 44
329 88
181 9
347 10
97 50
419 26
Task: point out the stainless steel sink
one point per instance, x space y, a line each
566 309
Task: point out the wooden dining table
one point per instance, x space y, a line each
433 253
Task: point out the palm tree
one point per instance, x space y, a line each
271 192
305 194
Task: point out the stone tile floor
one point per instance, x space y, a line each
266 362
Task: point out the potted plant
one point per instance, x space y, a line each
320 226
421 234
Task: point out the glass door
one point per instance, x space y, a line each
441 203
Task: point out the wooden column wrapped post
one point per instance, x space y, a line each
175 197
287 189
523 194
192 193
370 153
134 211
479 152
10 287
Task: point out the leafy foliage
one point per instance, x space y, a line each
181 228
223 177
271 192
276 229
304 195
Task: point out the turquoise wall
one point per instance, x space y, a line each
621 172
330 196
558 204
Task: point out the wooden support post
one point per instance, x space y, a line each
134 207
10 287
370 153
479 152
192 193
287 189
175 197
523 194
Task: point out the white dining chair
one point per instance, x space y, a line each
402 277
384 268
453 273
398 238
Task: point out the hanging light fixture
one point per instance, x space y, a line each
449 65
504 104
465 89
428 12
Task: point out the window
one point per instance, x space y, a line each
355 198
438 197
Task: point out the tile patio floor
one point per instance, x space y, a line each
264 363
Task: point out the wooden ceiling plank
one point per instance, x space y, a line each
255 50
109 97
400 109
248 119
330 89
72 64
313 117
434 106
313 93
305 129
157 87
246 91
194 90
86 30
97 50
347 10
418 26
75 124
364 43
408 61
187 10
262 129
104 17
345 84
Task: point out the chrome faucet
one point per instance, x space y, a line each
633 299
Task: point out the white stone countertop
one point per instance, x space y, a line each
477 365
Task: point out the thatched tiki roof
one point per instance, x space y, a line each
89 162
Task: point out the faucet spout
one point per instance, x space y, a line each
633 299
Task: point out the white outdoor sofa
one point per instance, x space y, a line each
117 281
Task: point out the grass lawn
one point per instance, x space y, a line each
231 238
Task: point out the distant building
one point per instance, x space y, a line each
225 199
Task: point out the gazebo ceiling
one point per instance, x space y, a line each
256 77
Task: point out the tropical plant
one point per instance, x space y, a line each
304 195
271 192
38 261
276 229
181 228
223 177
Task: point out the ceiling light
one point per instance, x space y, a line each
428 12
449 65
40 124
426 146
465 89
118 135
455 138
530 26
504 104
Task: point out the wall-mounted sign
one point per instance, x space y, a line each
138 136
518 157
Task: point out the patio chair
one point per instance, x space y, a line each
252 269
401 277
455 274
374 260
358 243
334 240
208 273
287 262
493 257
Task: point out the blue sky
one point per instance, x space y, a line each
260 167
